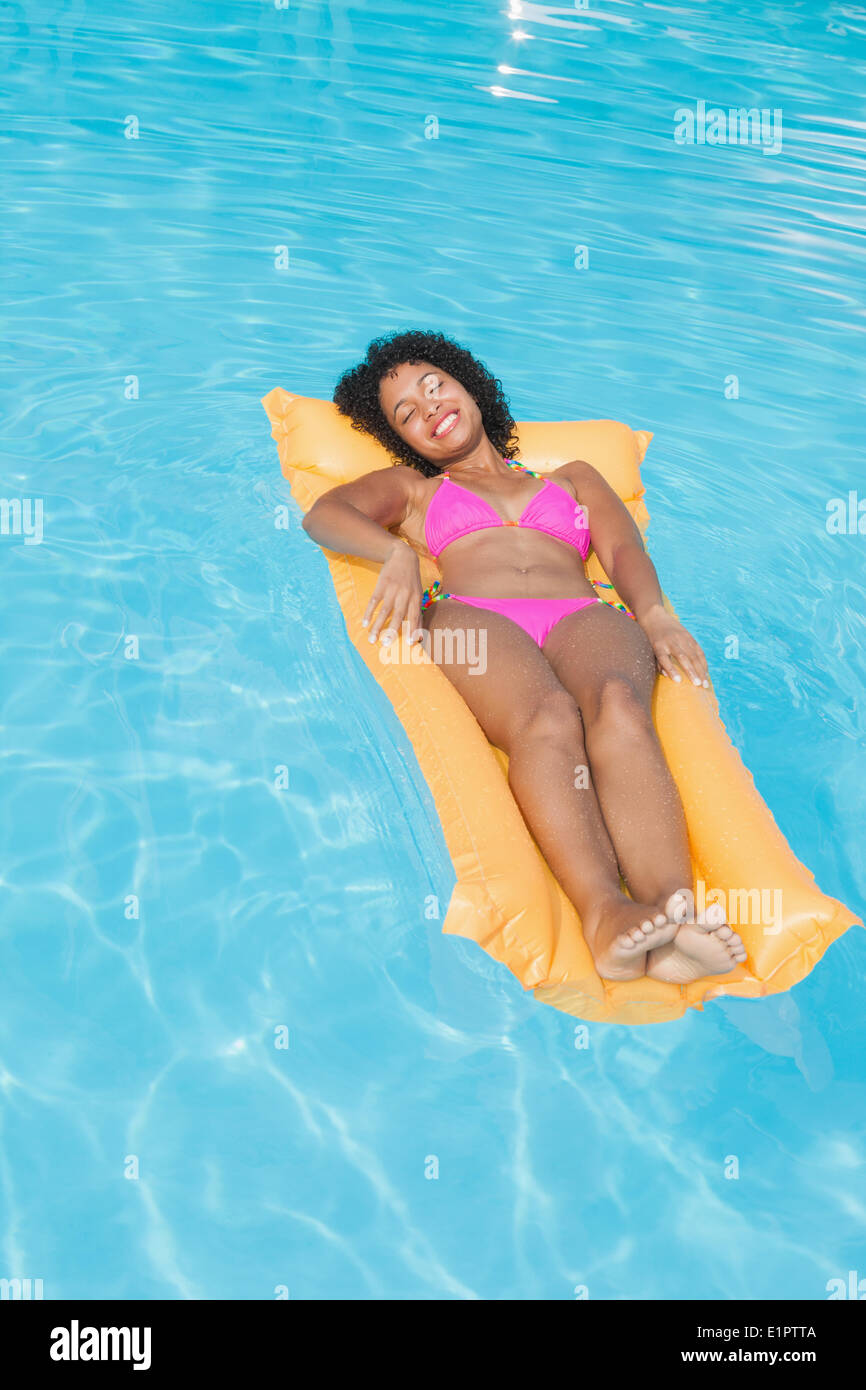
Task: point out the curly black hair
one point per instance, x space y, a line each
357 392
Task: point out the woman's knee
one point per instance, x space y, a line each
553 718
619 707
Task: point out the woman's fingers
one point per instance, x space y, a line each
383 600
371 607
396 605
413 613
685 653
666 663
692 659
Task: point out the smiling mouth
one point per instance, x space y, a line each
446 424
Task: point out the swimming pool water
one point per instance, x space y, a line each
171 913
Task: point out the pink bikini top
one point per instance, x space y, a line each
455 512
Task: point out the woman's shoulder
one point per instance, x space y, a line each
396 491
396 480
578 475
570 475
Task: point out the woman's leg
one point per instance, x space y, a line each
605 661
524 709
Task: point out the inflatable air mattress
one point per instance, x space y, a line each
506 898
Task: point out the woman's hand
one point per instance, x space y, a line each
398 591
672 643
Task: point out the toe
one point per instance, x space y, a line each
639 934
676 907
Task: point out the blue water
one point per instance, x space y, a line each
155 1141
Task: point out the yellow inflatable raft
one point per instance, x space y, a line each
506 898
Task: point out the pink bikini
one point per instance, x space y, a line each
455 512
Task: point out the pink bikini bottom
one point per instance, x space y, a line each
537 616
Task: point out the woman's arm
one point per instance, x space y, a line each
620 548
353 519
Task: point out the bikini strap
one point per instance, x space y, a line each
511 464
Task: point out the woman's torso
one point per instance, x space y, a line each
500 561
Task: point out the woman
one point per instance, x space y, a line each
568 680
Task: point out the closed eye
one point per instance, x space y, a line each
430 388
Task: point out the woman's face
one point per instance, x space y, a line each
428 408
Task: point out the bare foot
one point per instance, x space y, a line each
620 934
706 947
